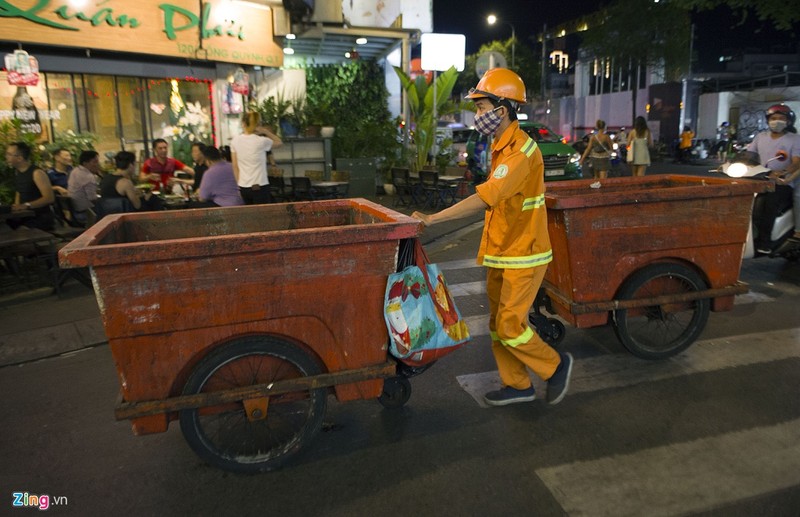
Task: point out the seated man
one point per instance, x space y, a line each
218 187
118 184
82 184
60 171
34 191
160 170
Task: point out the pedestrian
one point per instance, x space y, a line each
780 139
599 151
685 145
248 155
722 141
515 246
640 141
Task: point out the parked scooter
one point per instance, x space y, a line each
746 165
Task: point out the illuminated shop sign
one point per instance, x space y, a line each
231 31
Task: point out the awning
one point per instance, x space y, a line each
325 44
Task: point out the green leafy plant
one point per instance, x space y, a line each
72 142
272 110
422 102
355 100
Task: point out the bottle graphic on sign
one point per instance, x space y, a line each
25 110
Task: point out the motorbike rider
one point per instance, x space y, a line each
781 138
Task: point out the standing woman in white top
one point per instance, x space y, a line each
249 159
640 141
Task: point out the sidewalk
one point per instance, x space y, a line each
37 324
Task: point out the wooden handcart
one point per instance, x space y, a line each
652 255
240 321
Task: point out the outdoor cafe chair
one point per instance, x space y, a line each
277 187
301 188
403 188
435 192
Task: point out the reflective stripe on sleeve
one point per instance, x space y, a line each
533 202
539 259
529 147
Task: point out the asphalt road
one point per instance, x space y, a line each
713 431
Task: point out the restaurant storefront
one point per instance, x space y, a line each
129 72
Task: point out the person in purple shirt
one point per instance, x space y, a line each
218 187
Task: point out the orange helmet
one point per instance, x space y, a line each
499 84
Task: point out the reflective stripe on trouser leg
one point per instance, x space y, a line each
511 293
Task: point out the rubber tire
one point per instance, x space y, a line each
558 331
237 460
624 326
396 392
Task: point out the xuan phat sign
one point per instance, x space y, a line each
233 32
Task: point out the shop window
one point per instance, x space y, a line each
101 104
131 99
180 113
28 104
62 115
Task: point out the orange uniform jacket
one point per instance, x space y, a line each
515 228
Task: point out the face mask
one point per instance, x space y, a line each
777 126
488 122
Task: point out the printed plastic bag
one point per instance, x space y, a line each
423 322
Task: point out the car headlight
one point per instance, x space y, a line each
575 158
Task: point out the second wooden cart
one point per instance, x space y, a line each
652 255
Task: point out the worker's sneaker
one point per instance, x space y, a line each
558 384
508 395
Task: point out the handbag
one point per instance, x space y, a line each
423 322
629 156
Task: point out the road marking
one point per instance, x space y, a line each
620 370
689 477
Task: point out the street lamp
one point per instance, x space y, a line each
491 20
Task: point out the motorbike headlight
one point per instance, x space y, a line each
575 158
615 146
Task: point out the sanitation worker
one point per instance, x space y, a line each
515 246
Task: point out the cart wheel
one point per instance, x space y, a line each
661 331
223 435
396 392
551 330
557 331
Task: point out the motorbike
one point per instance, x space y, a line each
746 165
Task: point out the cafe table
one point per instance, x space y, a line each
328 189
22 214
13 242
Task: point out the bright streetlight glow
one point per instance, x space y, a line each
491 20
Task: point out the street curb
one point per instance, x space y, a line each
43 342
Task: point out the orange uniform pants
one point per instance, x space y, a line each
514 343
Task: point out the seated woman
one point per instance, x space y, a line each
117 187
218 187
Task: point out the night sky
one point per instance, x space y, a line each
716 32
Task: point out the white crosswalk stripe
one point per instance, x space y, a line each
690 477
619 370
739 465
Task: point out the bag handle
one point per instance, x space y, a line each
448 314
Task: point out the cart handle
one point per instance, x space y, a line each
128 410
613 305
